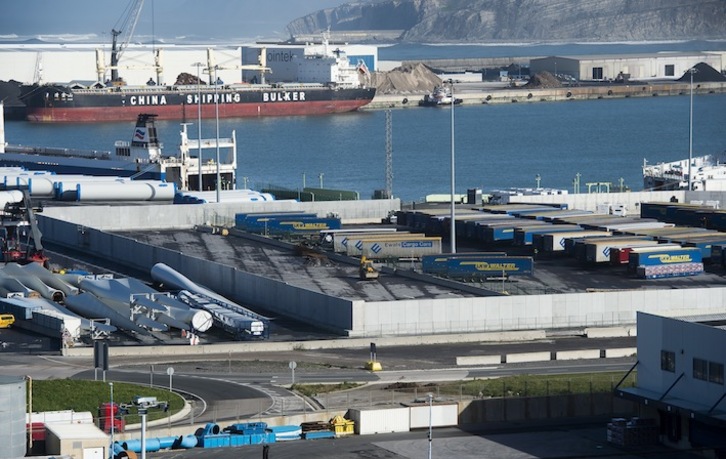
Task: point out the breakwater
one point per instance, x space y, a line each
484 94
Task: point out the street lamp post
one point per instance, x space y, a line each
216 115
110 411
199 121
453 174
692 70
431 409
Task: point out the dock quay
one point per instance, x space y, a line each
498 93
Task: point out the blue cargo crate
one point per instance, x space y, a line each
241 220
239 440
214 441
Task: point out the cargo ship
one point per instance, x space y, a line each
709 174
332 85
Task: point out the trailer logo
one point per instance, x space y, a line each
667 259
376 248
344 242
606 252
484 266
416 244
359 245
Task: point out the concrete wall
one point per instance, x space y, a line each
521 409
117 218
631 200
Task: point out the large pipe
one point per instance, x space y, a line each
90 306
50 279
31 281
199 319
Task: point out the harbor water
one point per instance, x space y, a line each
495 146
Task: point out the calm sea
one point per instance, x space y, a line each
496 146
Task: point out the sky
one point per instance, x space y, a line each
213 20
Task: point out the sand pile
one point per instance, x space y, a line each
543 80
412 78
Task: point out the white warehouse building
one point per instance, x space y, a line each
660 66
681 379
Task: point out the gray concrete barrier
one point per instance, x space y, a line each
542 356
479 360
623 352
578 354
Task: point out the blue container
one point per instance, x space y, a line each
706 246
239 440
243 219
294 225
655 210
525 236
489 266
437 264
214 441
664 257
258 439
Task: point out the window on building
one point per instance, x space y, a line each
715 372
700 369
670 70
597 73
668 361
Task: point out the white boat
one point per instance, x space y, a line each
441 95
709 174
141 158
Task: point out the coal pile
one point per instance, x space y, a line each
189 79
704 73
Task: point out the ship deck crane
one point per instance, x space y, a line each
125 31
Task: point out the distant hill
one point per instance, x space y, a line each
519 20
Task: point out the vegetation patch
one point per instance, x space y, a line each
81 395
311 390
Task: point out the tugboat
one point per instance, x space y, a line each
441 95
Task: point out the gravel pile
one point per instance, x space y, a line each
543 80
411 78
704 73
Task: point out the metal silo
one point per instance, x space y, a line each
12 420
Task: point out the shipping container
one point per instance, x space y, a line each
621 255
354 244
504 232
340 239
300 226
555 242
488 266
436 415
666 256
404 248
555 214
705 244
436 264
473 225
525 235
242 219
599 251
370 421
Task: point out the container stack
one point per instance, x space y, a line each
666 263
636 432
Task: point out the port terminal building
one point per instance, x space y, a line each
641 67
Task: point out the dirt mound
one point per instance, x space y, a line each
543 80
410 78
704 73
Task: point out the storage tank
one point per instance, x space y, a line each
12 421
